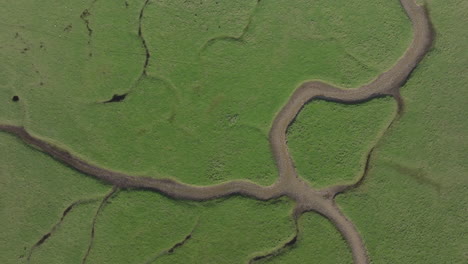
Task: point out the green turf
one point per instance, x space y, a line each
35 192
318 242
412 209
134 226
198 109
138 227
235 230
329 142
69 242
203 114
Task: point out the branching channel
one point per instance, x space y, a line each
54 228
93 224
288 183
143 73
340 189
278 250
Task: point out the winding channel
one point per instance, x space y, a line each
288 183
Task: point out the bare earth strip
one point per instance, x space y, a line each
289 183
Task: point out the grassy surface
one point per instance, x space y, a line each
329 142
413 207
70 240
192 119
35 192
202 116
318 242
235 230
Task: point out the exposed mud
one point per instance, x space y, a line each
289 183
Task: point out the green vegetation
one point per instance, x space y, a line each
139 226
329 142
70 241
200 113
235 230
412 208
318 242
202 116
35 192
